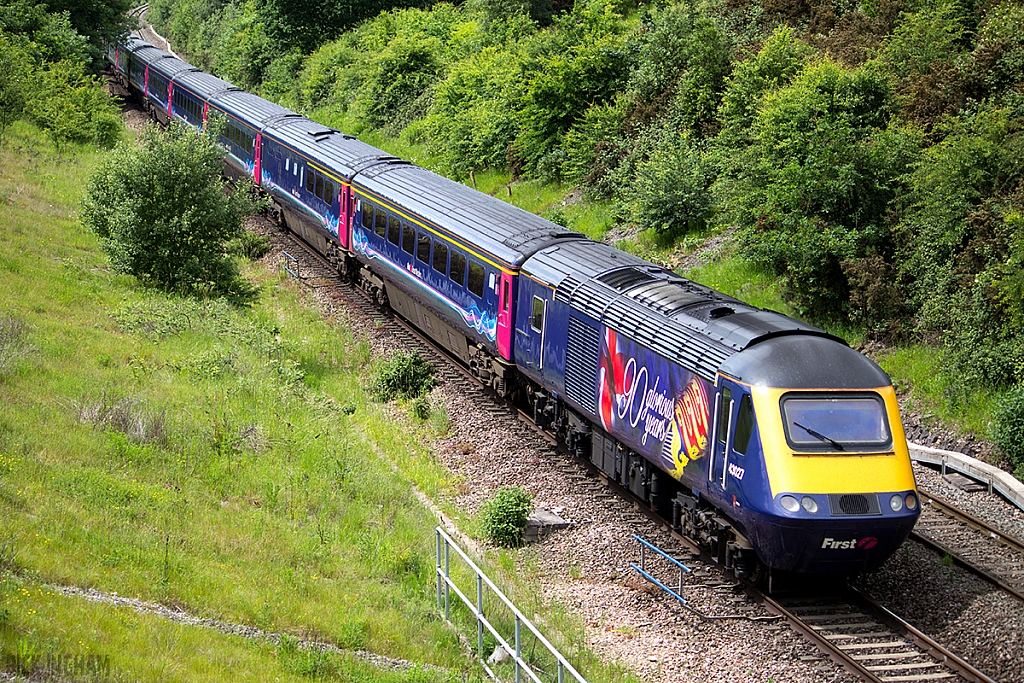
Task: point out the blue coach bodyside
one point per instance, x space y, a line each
192 91
308 168
246 116
159 82
451 249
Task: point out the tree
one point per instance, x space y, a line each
97 20
163 215
15 67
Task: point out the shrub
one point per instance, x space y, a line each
162 214
250 245
671 190
504 516
406 375
1008 428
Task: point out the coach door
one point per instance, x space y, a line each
724 409
505 316
531 315
344 229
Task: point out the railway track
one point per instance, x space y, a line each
871 641
971 543
846 625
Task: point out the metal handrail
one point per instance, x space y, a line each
445 586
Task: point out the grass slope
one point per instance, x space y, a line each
194 454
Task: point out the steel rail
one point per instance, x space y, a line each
949 509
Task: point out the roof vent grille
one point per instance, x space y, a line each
622 279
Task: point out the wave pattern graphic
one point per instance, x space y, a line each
329 221
482 322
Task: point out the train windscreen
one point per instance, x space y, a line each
847 422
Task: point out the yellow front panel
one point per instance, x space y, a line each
801 472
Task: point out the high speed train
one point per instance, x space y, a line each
770 441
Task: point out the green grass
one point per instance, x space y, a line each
918 371
218 459
193 453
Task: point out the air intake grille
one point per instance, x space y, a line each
581 364
853 504
622 279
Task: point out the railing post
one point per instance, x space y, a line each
437 566
447 578
480 615
519 650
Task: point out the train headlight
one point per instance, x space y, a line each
911 501
896 503
789 504
809 504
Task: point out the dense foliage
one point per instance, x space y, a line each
45 75
503 518
406 374
1009 429
162 214
870 155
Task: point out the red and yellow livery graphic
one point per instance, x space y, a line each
654 406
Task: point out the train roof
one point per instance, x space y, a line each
805 362
204 85
166 65
341 154
133 42
505 231
250 108
684 321
150 54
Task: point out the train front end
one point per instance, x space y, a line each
841 496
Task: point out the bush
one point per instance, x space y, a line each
406 375
671 190
70 105
162 213
250 245
504 516
1008 428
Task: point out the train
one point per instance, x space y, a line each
771 442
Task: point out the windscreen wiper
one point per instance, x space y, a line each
819 435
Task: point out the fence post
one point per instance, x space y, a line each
437 567
519 651
447 578
480 615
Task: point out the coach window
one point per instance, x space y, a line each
744 426
367 215
394 231
312 181
440 257
537 319
457 272
723 415
423 247
476 279
328 191
380 224
408 238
